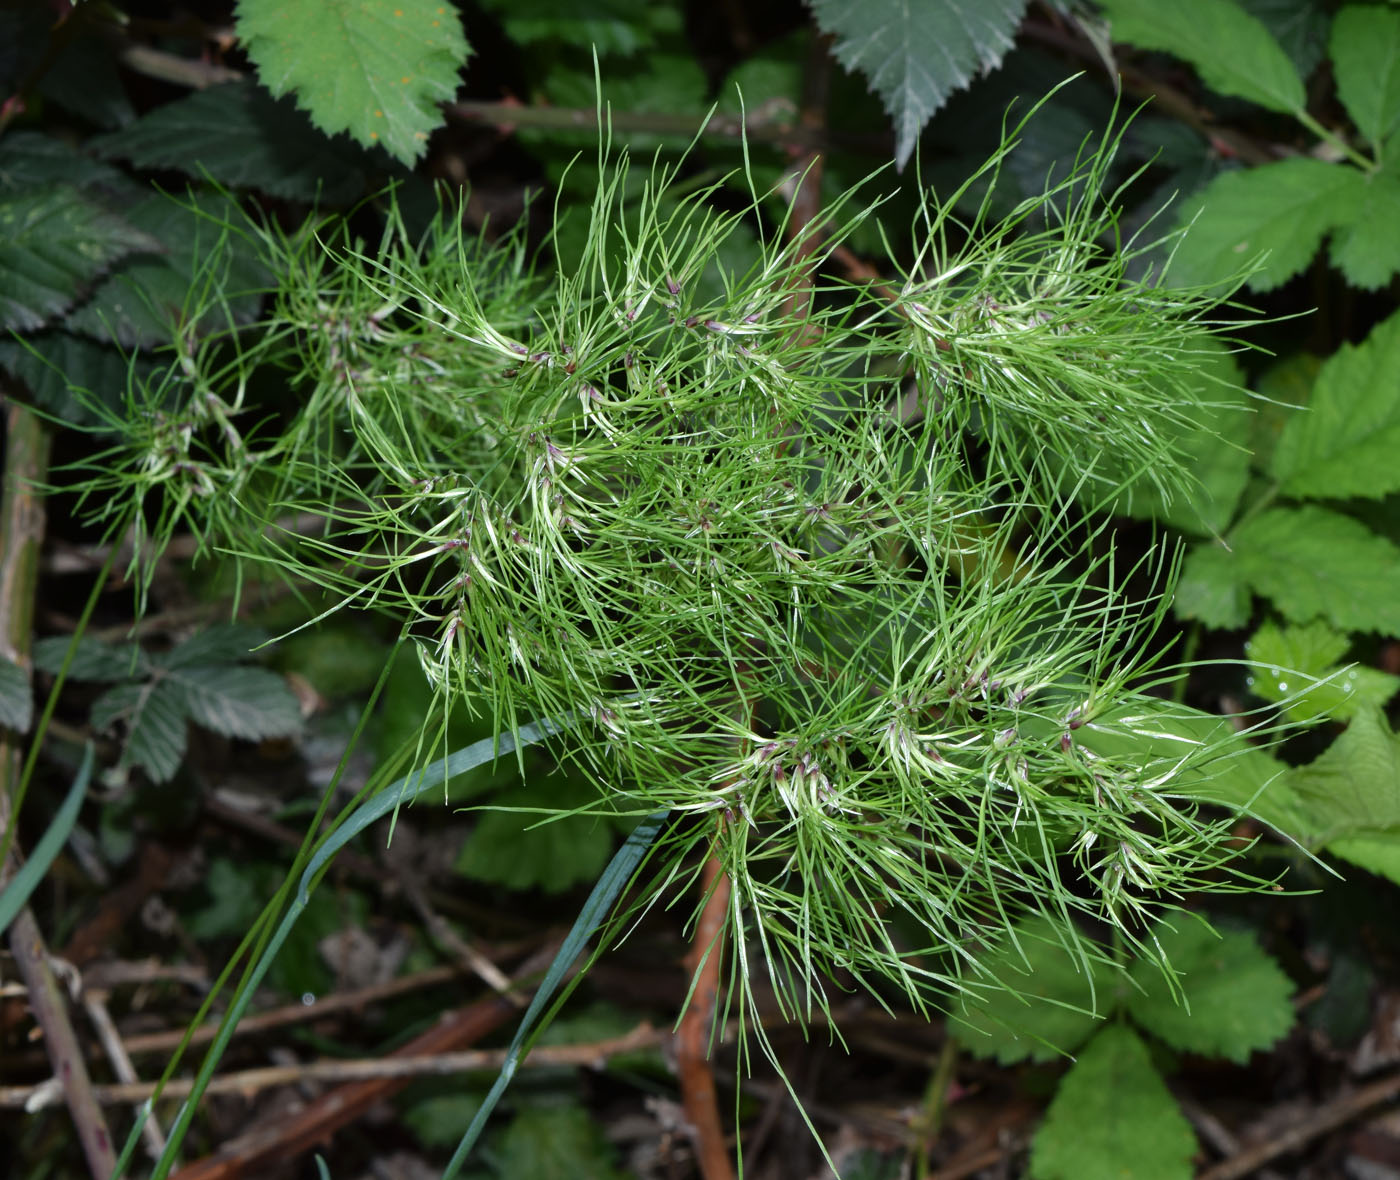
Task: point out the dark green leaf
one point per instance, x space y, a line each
1275 215
1366 61
609 26
1044 998
16 697
55 364
1234 998
29 159
83 78
154 715
93 660
240 135
221 643
248 703
1232 51
376 69
555 1143
1113 1118
1299 26
916 55
54 244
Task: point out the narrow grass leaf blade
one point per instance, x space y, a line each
24 882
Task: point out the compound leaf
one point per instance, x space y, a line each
54 244
248 703
375 69
240 135
1313 563
916 55
1367 249
1345 443
1042 1003
154 713
1299 667
1113 1118
1353 787
1366 60
223 643
1233 997
1275 215
93 660
1234 52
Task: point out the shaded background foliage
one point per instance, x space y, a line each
1274 121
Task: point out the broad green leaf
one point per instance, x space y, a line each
1367 249
54 244
1366 62
915 55
516 849
1345 442
376 69
1353 787
1215 452
610 26
16 697
1376 852
84 79
154 716
147 294
239 135
1044 1000
248 703
1113 1118
1284 389
1299 26
1211 588
555 1143
1233 998
221 643
31 159
1300 666
1275 215
1232 51
70 376
1313 563
94 660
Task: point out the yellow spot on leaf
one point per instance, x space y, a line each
379 114
404 79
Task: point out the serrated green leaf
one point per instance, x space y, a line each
149 293
31 159
1344 443
1353 787
1216 453
1376 852
94 660
517 850
16 697
1113 1118
620 27
1233 1000
154 715
1276 214
555 1143
376 69
1299 666
1366 61
220 643
1232 51
916 55
240 135
1299 26
248 703
1312 563
1283 390
1211 588
69 376
1367 249
1045 1001
54 244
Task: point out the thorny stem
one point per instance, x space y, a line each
21 529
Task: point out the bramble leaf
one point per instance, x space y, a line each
222 643
916 55
1234 997
54 244
1276 214
1353 786
1211 588
1299 26
1366 60
240 702
1344 443
375 69
1232 51
1314 563
1367 248
94 660
154 714
1300 666
1113 1118
16 698
239 135
56 363
1045 1005
555 1143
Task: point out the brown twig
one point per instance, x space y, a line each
588 1056
697 1077
120 1061
21 533
1327 1117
